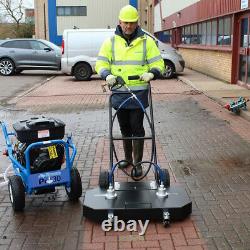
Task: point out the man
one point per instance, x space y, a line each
130 52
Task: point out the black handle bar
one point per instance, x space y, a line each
135 77
120 82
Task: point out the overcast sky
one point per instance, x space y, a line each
29 3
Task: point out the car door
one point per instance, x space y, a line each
20 52
43 55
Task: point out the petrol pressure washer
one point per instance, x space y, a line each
155 199
37 157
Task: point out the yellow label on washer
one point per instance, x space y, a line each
52 152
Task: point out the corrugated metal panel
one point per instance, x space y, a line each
169 6
99 14
71 3
205 9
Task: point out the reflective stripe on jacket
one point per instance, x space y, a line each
118 58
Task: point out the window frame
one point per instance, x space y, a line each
74 11
210 38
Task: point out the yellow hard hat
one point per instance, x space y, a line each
128 14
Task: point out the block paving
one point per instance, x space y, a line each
205 148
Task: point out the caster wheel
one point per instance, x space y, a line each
111 219
75 190
16 192
166 223
104 179
166 178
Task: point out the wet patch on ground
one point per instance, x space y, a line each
213 162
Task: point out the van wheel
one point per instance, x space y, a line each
169 70
82 72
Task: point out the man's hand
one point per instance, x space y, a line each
146 77
110 80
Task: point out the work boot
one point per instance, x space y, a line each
127 147
138 154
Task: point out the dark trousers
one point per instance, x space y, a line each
131 122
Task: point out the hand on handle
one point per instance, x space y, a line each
110 80
146 77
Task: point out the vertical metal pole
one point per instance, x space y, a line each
110 134
152 125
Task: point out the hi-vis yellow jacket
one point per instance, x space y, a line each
119 58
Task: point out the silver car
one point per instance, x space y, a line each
26 54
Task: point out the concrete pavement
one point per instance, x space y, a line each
215 89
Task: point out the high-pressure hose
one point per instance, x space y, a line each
121 83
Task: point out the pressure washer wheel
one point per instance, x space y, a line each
16 192
166 178
104 179
75 190
166 219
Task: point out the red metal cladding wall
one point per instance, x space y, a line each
205 9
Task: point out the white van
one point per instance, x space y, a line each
80 48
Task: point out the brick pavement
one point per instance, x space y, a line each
205 147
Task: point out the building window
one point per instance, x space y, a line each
167 36
213 32
244 32
71 11
224 31
209 35
203 33
186 35
194 34
164 36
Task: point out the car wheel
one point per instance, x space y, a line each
7 67
82 72
169 70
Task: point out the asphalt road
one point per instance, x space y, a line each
12 86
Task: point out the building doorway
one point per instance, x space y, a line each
244 51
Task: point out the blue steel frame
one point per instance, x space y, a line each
52 20
46 179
